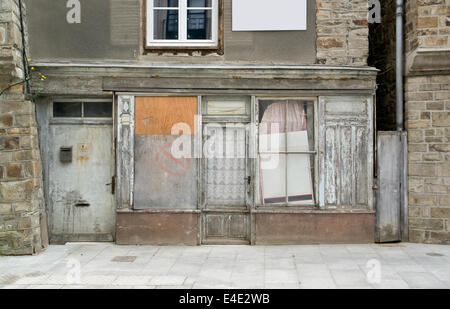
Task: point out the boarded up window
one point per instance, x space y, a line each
163 179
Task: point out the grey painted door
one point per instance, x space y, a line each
226 185
80 177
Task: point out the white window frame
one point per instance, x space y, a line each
182 26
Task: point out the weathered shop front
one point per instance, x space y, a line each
201 122
246 163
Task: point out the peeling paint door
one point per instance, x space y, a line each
226 218
80 183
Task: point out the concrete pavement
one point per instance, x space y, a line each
105 265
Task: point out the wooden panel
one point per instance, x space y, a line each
161 180
238 226
331 165
215 226
361 177
346 170
388 197
157 115
134 228
345 153
313 228
221 228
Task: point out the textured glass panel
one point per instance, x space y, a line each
225 166
67 109
199 25
165 3
98 109
199 3
165 25
226 108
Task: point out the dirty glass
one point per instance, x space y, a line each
165 3
67 109
199 3
199 24
97 109
165 25
225 165
286 140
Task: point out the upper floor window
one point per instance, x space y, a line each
174 23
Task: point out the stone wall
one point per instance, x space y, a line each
342 32
427 104
22 210
428 125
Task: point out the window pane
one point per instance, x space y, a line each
199 3
165 3
98 109
300 126
225 165
67 109
165 25
272 118
199 25
299 177
226 108
272 183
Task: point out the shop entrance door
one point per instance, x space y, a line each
227 184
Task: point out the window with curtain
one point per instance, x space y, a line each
286 152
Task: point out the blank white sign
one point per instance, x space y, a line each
269 15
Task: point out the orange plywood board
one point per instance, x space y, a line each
157 115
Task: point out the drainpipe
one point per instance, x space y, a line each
399 64
399 120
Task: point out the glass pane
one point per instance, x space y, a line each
272 182
300 126
272 119
299 177
225 165
199 25
199 3
67 109
165 3
226 108
98 109
165 25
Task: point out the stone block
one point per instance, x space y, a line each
428 224
14 191
441 119
422 200
14 170
422 169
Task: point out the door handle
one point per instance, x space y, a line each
249 179
112 184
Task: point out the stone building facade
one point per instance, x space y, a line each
22 208
427 106
427 103
325 66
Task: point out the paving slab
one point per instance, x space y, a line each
105 265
